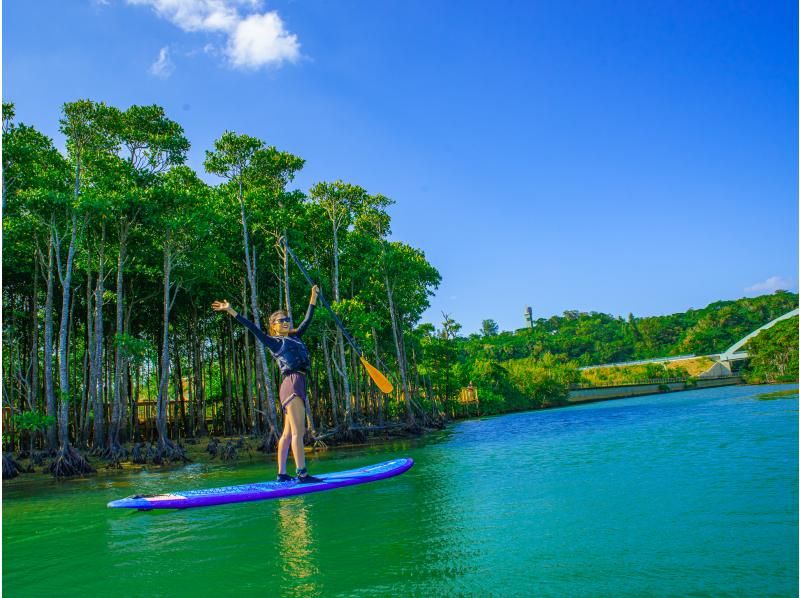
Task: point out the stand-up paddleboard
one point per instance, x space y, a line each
263 490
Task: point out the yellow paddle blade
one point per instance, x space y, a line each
377 377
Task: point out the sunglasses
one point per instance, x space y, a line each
282 321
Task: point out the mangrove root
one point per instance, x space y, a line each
229 453
168 452
213 447
139 453
68 463
269 443
11 468
114 454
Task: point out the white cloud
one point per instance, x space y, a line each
163 67
254 40
770 285
194 15
260 40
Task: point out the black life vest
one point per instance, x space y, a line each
292 355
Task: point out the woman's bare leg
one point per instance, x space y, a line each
296 416
283 444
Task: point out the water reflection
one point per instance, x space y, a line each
296 545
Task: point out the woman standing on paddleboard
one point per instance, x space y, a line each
291 355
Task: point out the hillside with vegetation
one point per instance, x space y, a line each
534 367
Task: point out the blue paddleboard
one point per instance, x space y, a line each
262 490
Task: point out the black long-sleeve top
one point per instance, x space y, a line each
289 351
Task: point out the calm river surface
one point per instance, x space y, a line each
692 493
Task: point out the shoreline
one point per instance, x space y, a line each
199 454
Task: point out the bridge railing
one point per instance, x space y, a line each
639 362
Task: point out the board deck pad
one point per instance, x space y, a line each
263 490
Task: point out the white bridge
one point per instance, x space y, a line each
724 359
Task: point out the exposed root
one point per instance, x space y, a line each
269 443
319 443
213 447
11 468
38 458
414 428
139 453
69 462
229 453
115 454
167 452
354 435
320 437
100 451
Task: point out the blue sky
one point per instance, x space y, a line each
617 156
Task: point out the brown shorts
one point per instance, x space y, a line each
293 385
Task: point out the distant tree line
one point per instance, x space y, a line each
534 367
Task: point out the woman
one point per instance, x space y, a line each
291 355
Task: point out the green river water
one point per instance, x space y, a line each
691 493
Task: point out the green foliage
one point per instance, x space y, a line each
33 420
774 354
535 368
595 338
544 382
489 328
135 350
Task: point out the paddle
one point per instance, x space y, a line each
374 373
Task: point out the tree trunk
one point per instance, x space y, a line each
199 390
135 408
342 367
248 385
87 399
166 450
224 370
271 438
75 405
98 382
119 366
286 276
179 388
163 381
399 350
236 383
49 387
331 386
63 348
377 360
68 461
33 380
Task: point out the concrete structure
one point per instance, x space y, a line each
604 393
